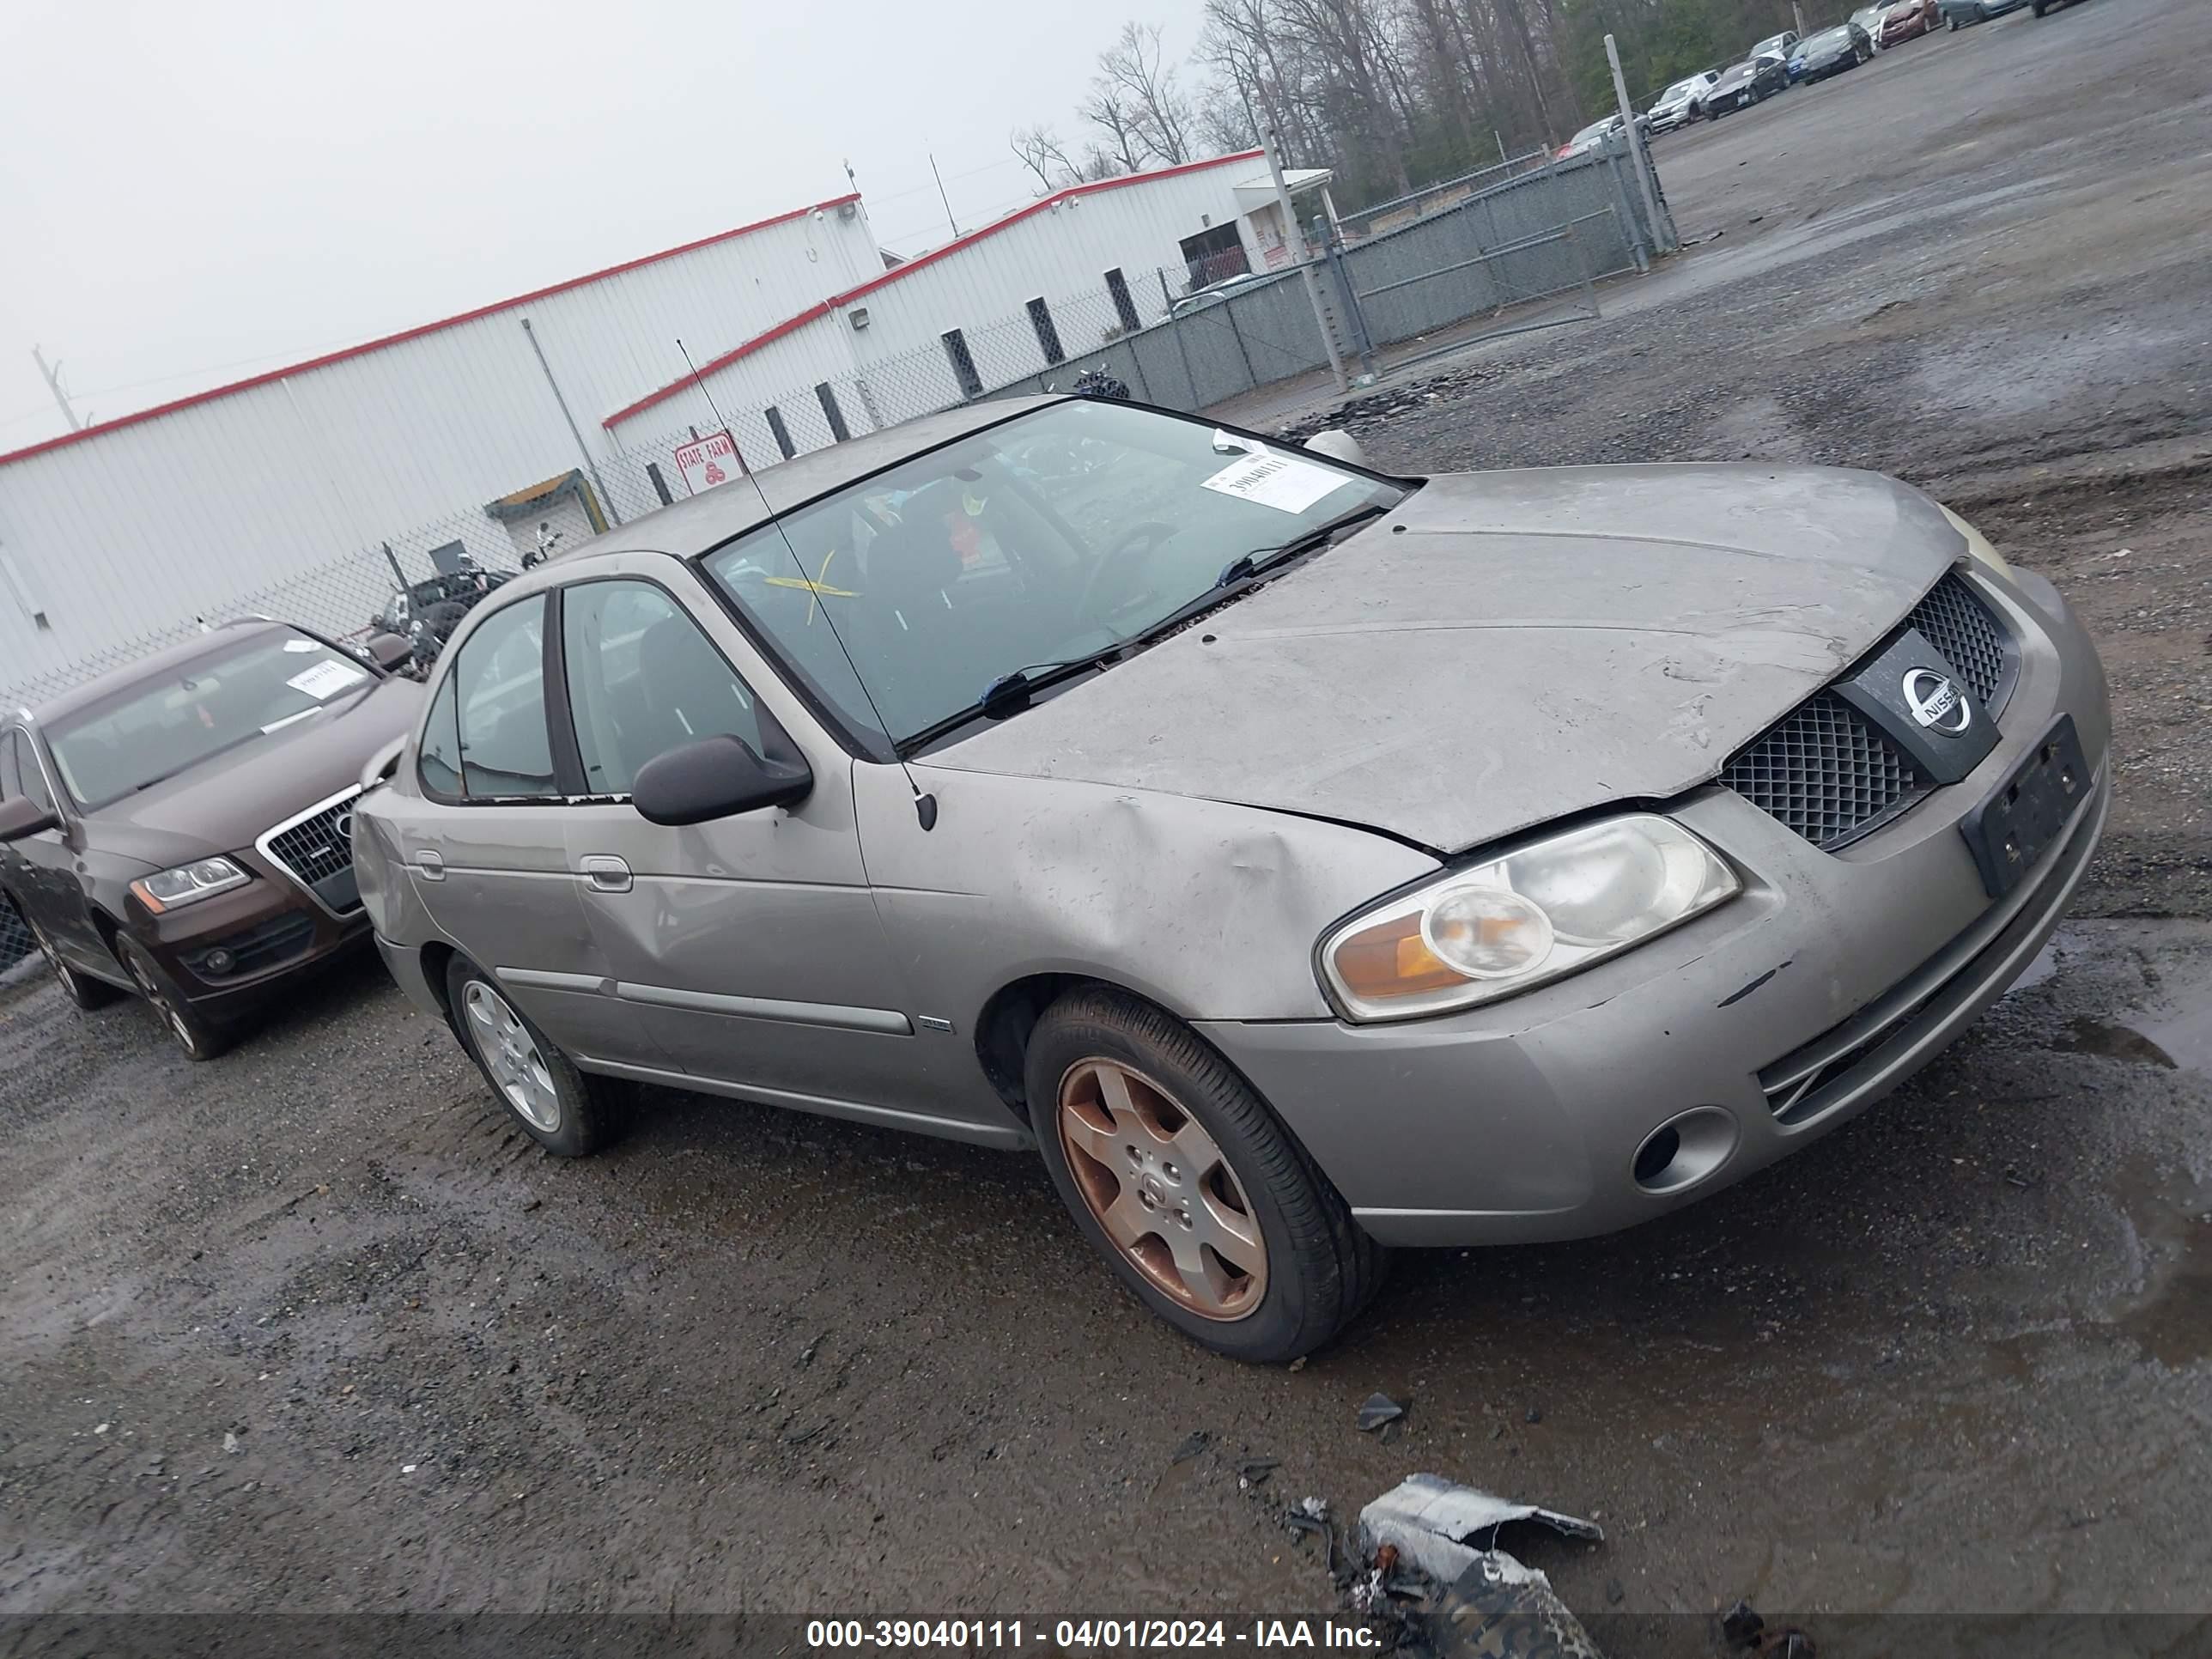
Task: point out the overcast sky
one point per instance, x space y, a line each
193 192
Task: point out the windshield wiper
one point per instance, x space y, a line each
1261 560
1011 692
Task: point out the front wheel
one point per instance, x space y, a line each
1179 1173
563 1110
200 1037
83 992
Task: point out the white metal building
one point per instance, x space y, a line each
538 416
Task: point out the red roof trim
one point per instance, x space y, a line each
417 333
837 301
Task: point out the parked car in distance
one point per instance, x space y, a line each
179 828
1214 294
1677 107
1137 816
427 612
1962 13
1831 52
1906 19
1775 45
1869 19
1741 85
1595 135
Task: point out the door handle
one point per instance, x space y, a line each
431 866
606 873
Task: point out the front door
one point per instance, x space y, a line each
487 849
749 947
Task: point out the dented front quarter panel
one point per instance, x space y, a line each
1209 909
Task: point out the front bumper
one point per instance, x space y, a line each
271 929
1523 1121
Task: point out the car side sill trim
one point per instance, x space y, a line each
1009 1135
884 1022
880 1022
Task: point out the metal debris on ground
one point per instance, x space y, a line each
1379 1409
1254 1471
1422 1533
1194 1443
1744 1631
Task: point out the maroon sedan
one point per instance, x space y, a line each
1908 18
179 828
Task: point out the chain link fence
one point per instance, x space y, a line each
16 941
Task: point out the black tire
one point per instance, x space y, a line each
582 1119
200 1037
83 991
1322 1269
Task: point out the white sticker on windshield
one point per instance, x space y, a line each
326 679
1282 482
302 645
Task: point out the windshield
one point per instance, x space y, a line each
1772 44
161 726
1679 91
1595 129
1825 39
1057 534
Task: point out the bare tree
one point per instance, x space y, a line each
1105 108
1041 153
1135 68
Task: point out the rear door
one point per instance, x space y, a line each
41 869
486 844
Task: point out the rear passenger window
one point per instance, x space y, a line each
642 680
500 684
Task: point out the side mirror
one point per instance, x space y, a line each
1338 446
715 778
388 651
24 817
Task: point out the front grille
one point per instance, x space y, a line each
1826 773
258 947
1954 619
317 852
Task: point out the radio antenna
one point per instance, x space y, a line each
924 804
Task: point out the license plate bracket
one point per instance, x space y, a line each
2016 822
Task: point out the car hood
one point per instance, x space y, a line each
221 805
1504 648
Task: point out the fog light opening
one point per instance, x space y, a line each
219 961
1655 1154
1685 1150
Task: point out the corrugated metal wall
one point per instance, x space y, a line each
131 529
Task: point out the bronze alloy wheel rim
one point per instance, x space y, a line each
1154 1180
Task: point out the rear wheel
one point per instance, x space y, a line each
200 1037
563 1110
1179 1173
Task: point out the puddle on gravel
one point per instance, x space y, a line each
2089 1036
2171 1317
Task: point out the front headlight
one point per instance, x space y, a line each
188 883
1977 543
1547 908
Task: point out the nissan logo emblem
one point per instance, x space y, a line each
1937 703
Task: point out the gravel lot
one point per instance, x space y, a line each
310 1329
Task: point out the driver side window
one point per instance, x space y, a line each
642 680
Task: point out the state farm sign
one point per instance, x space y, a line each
712 459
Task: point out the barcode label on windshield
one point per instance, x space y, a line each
1282 482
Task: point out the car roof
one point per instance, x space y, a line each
154 665
715 516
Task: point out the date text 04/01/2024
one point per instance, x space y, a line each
973 1635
